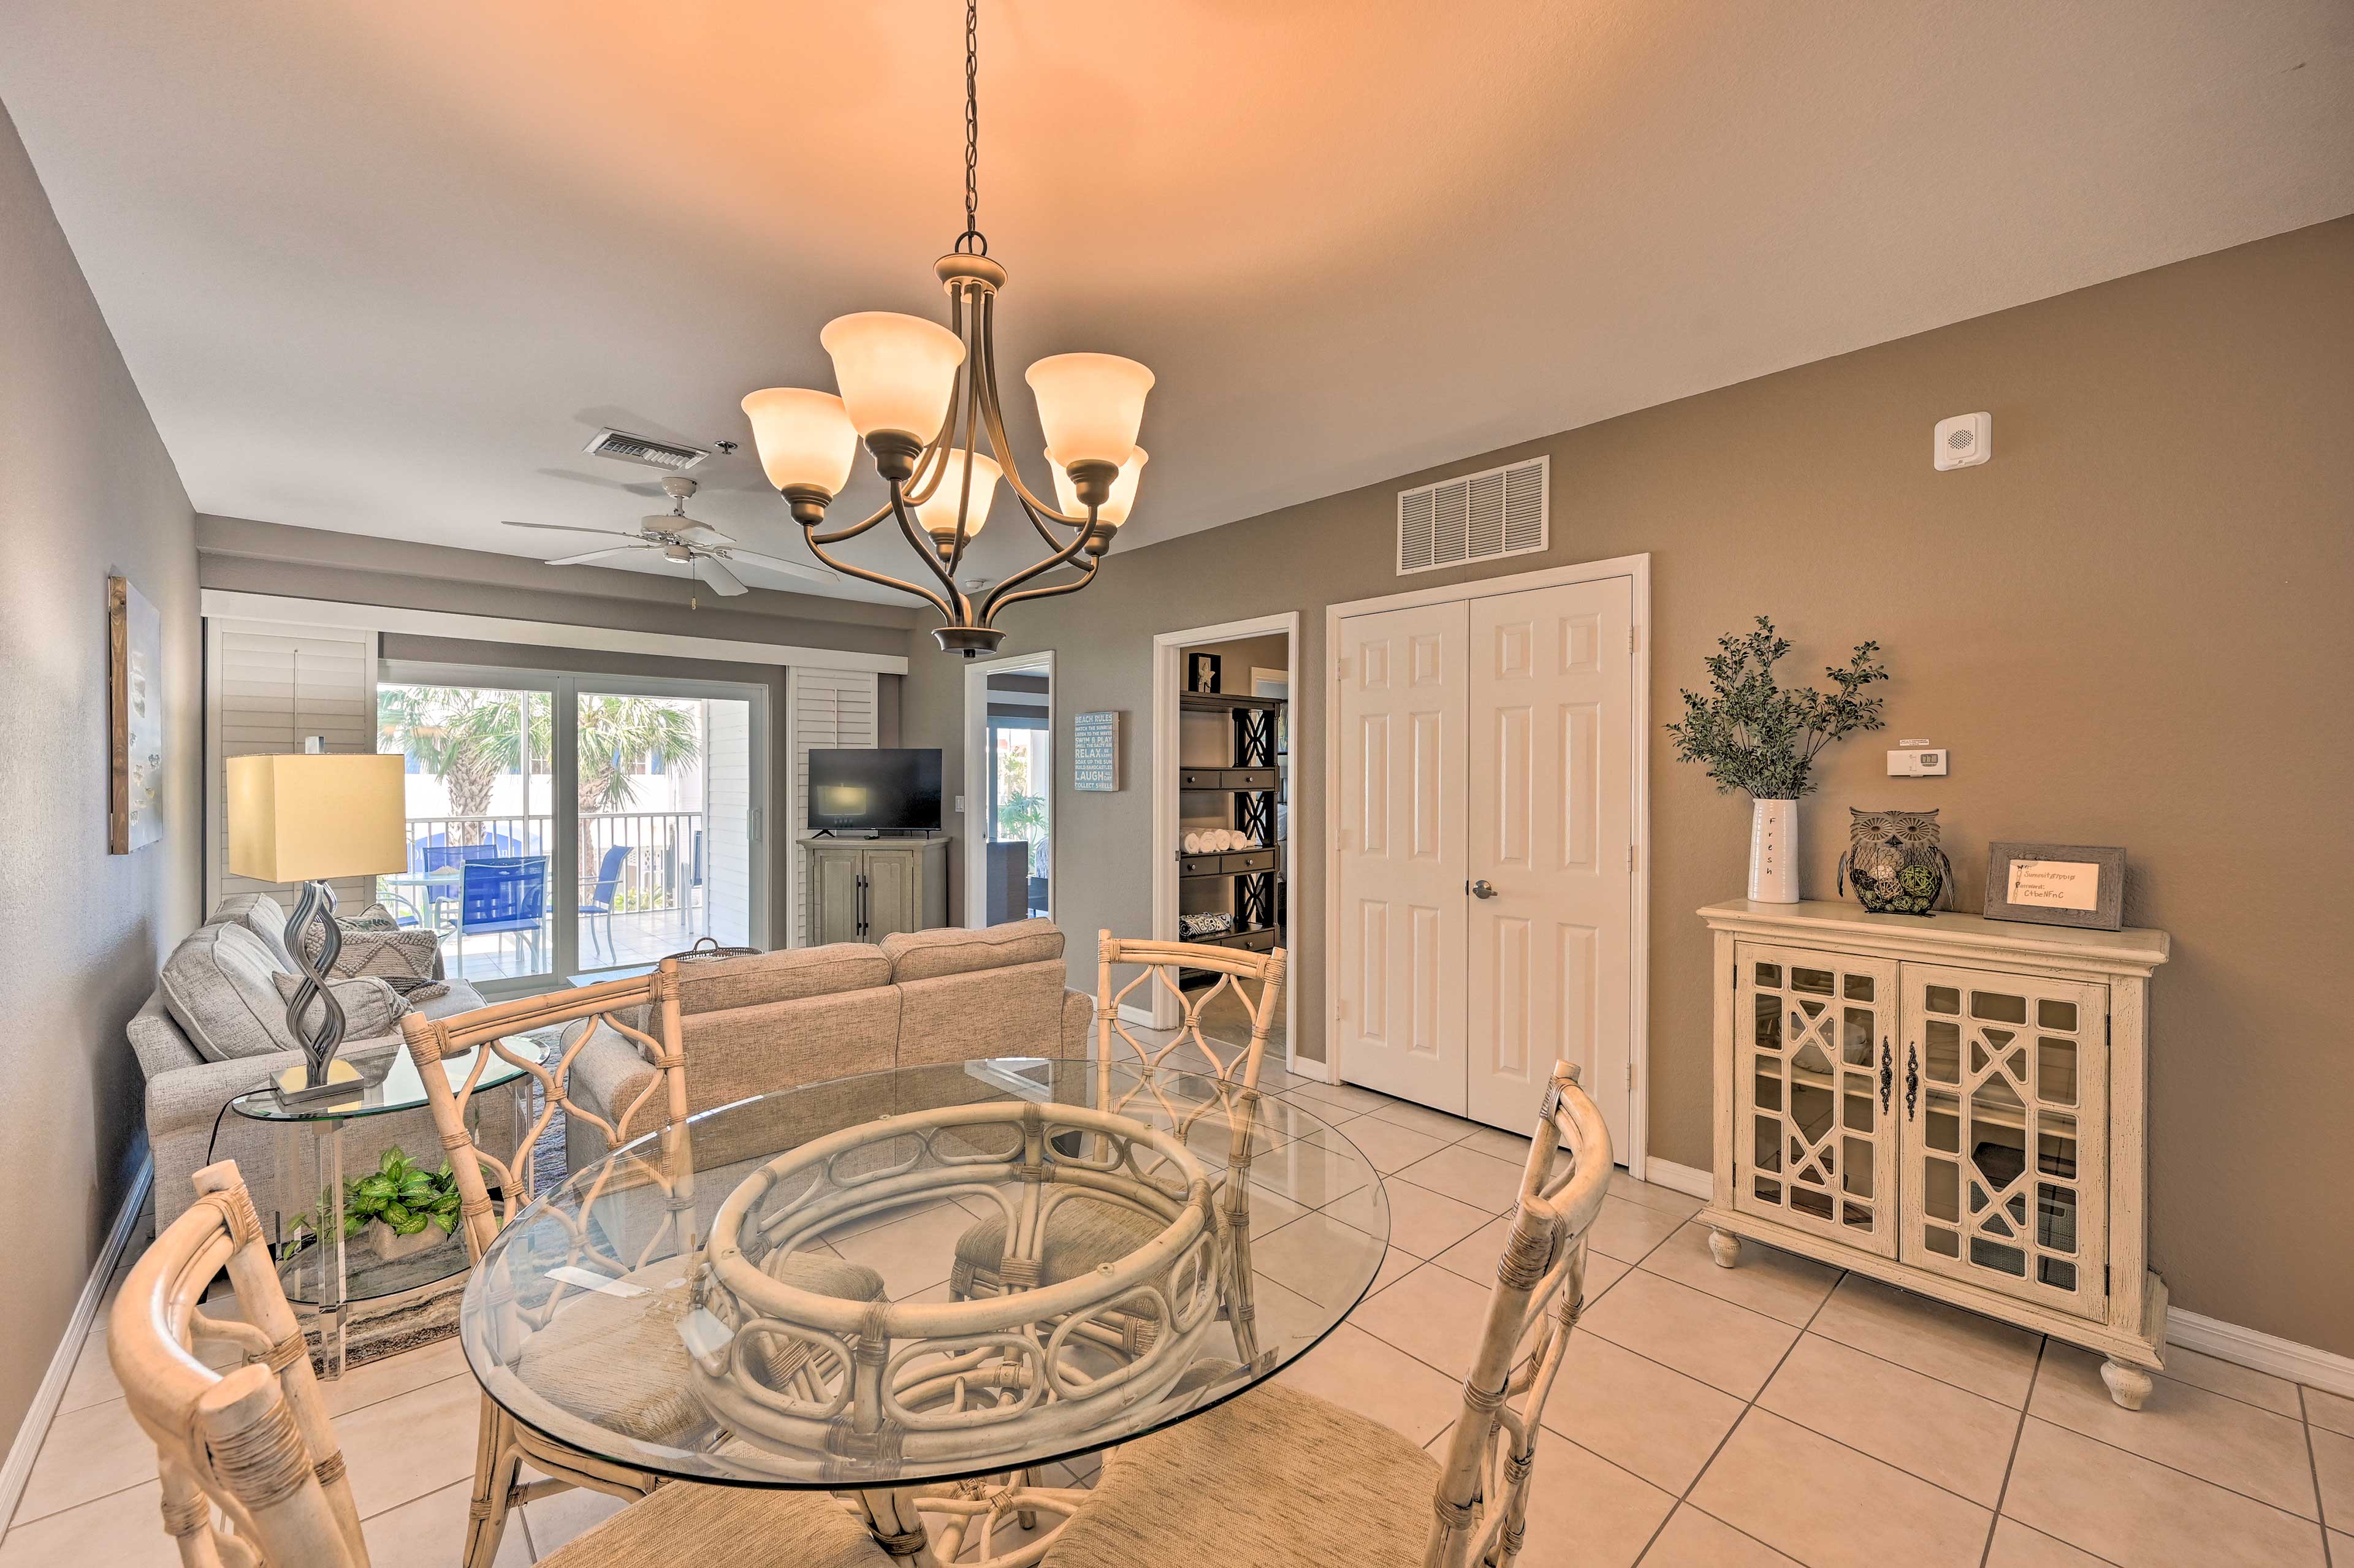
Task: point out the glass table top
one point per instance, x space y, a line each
924 1274
382 1083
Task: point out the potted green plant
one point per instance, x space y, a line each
395 1211
1754 735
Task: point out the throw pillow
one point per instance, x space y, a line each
375 943
371 1008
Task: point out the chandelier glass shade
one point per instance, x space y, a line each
923 399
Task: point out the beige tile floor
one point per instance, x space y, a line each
1773 1413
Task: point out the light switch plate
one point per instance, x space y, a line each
959 805
1923 763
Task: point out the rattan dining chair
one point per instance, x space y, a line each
253 1477
1278 1478
1081 1233
614 1362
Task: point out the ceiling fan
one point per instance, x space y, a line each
681 538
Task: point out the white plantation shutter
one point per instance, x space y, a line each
266 688
827 710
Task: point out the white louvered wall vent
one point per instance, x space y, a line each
1475 517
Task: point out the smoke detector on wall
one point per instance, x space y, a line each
624 447
1963 441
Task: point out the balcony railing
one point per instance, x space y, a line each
663 870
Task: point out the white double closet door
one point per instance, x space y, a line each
1485 850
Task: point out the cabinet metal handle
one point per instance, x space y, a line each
1911 1078
1887 1075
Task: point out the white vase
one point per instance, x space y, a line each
1774 852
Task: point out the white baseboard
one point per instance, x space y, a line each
2263 1352
2225 1341
1677 1178
26 1445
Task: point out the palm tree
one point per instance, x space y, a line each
619 736
453 733
466 738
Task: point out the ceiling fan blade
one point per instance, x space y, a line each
715 572
583 560
791 568
567 529
703 535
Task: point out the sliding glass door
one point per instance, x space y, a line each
564 826
666 824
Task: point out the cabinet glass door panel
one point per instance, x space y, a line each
1813 1073
2004 1130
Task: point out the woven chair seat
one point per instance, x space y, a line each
620 1362
1276 1478
726 1527
1082 1234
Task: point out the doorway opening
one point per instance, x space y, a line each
1224 860
1010 779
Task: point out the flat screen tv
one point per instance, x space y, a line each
874 791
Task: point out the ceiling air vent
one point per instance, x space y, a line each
666 455
1477 517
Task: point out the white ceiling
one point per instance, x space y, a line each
384 268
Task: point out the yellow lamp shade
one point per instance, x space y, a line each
938 514
897 372
804 437
310 817
1114 510
1090 405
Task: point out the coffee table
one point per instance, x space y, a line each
331 1272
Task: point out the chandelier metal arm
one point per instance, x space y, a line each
957 606
987 375
880 579
972 434
998 601
998 595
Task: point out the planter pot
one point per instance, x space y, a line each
1774 852
389 1244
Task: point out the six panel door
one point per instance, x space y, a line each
1401 852
1552 817
1815 1143
2005 1133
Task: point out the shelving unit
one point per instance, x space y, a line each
1251 780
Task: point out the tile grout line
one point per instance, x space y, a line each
1748 1405
2313 1463
2002 1492
2188 1475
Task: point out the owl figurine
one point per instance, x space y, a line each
1895 861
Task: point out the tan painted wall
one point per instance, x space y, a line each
2132 628
85 490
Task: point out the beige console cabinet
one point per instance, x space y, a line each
863 890
1953 1105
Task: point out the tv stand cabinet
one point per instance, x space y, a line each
863 890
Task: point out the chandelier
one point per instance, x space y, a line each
923 398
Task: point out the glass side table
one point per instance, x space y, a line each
328 1272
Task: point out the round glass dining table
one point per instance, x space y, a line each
877 1285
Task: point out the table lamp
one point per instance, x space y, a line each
306 817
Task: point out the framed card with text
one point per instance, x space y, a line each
2057 884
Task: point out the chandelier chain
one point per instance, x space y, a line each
971 242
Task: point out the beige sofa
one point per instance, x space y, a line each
777 1021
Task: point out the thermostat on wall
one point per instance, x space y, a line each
1962 441
1916 760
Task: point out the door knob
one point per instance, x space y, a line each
1483 888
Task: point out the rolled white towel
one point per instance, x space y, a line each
1192 844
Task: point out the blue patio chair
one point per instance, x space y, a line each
502 895
598 895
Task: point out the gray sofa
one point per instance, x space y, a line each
216 1027
775 1021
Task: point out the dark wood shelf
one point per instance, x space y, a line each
1223 702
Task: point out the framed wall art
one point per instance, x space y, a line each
1095 752
1203 673
2056 885
135 780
